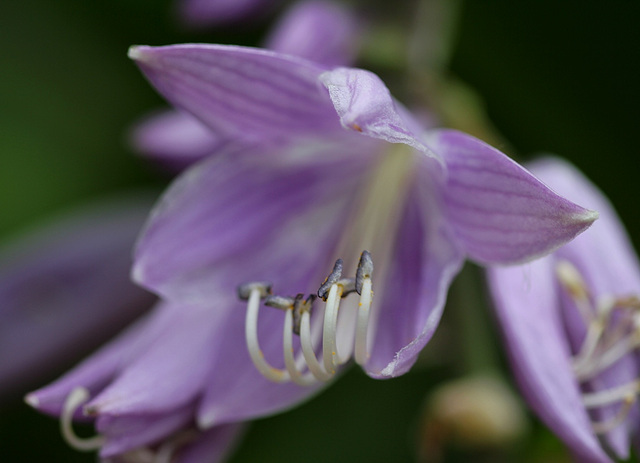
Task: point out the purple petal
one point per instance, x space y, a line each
527 306
65 289
320 31
365 105
199 13
425 260
246 215
174 139
171 371
241 92
501 212
212 446
128 432
99 369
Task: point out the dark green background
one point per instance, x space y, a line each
557 77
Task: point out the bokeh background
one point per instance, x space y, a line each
554 77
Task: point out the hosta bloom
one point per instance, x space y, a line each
325 164
571 325
64 289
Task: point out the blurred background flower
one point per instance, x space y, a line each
554 76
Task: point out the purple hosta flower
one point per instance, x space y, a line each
320 31
571 324
65 288
323 165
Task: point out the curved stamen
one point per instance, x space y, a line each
603 427
309 352
75 399
251 333
362 325
329 348
296 376
610 396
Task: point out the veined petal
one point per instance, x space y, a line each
365 105
99 369
318 30
180 357
604 255
500 211
527 307
242 92
199 13
174 138
65 288
236 390
425 260
249 215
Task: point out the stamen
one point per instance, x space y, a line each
610 396
251 333
329 348
610 356
332 279
298 321
362 326
603 427
309 352
75 399
289 360
572 281
365 270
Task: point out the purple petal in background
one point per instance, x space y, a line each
527 307
65 289
320 31
501 212
174 139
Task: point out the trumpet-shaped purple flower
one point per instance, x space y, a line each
289 193
296 191
320 31
571 326
64 289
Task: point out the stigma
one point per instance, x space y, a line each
612 332
312 363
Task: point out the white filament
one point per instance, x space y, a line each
251 333
307 359
329 347
75 399
364 307
296 376
603 427
309 352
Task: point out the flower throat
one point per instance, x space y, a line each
373 226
